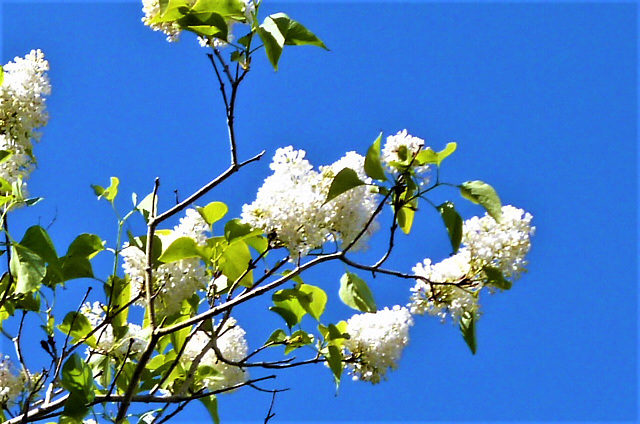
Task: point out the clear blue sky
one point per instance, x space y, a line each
542 100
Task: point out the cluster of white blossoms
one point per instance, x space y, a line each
151 9
502 245
377 340
401 147
233 347
133 342
11 384
177 280
22 112
291 204
485 242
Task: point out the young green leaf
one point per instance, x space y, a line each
334 358
147 205
355 293
372 162
27 268
108 193
272 39
213 212
38 241
77 326
468 329
181 248
317 300
85 246
482 193
428 155
211 403
495 278
453 222
1 75
234 262
291 300
344 181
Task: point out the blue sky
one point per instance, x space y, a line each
542 100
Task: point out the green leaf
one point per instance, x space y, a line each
108 193
227 8
335 334
75 409
294 33
317 300
277 336
344 180
5 155
208 24
119 291
355 293
289 317
78 326
30 302
297 340
27 268
405 219
372 162
147 205
468 329
1 75
85 246
482 193
77 377
334 358
272 40
213 212
38 241
234 262
236 229
291 300
495 278
181 248
75 267
428 155
453 222
211 403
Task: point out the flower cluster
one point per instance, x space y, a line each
176 281
291 204
452 285
232 345
10 384
402 147
22 112
151 9
377 340
132 343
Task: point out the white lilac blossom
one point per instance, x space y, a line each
11 384
151 9
443 299
232 346
177 280
22 113
485 242
377 340
291 204
399 148
132 343
502 245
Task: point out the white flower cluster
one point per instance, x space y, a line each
176 281
291 204
485 242
232 345
502 245
10 384
401 147
377 339
151 8
106 341
22 112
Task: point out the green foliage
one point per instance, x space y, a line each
213 212
453 222
482 193
344 181
78 327
495 278
373 163
293 304
334 358
180 248
334 334
27 268
108 193
278 30
1 75
355 293
77 378
468 328
429 156
147 205
211 403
